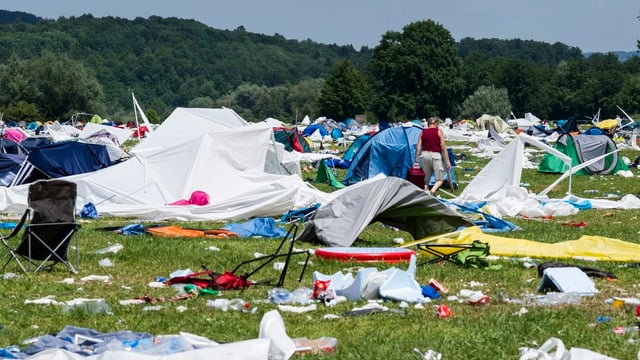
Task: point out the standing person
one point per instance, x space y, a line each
431 149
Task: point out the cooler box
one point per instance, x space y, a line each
416 176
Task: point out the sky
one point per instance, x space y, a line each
591 25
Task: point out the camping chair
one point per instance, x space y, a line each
49 226
472 255
267 259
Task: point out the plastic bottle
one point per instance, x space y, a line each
621 330
280 296
219 304
226 305
239 305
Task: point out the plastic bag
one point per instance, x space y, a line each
554 349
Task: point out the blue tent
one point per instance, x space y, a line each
69 158
9 166
336 134
390 152
312 128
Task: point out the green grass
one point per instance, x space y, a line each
492 331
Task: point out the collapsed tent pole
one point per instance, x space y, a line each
429 239
135 113
573 170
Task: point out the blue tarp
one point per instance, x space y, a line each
257 227
69 158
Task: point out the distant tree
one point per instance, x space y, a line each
628 98
416 73
303 99
604 77
22 111
202 102
486 100
345 93
66 86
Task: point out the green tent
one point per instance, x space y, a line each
582 148
325 175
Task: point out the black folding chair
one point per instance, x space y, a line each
49 226
281 252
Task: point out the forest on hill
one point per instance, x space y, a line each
51 69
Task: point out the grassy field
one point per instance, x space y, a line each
491 331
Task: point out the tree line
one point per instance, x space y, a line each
52 69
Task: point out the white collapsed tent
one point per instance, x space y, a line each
498 184
236 164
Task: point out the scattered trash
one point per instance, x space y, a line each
226 305
316 346
554 348
179 273
213 248
554 298
278 266
67 281
106 262
115 248
9 276
131 302
298 309
88 306
436 285
101 278
429 355
443 311
398 240
621 330
153 308
523 310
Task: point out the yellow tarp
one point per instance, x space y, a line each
607 124
586 247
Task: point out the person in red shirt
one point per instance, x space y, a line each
432 149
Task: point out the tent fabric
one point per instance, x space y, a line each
312 128
390 152
69 158
15 134
33 142
355 146
390 200
120 134
8 146
178 231
214 161
484 121
10 164
291 139
185 124
582 148
196 152
587 247
199 198
502 174
325 175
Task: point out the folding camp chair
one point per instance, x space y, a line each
461 254
264 261
49 226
